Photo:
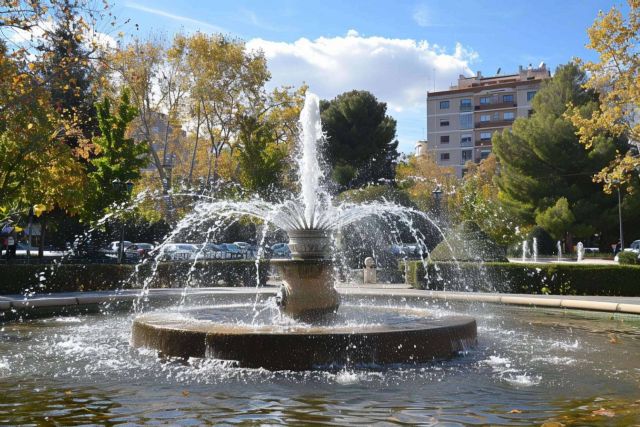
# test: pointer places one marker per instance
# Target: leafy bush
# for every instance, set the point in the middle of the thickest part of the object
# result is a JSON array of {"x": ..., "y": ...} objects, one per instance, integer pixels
[
  {"x": 24, "y": 278},
  {"x": 467, "y": 242},
  {"x": 628, "y": 257},
  {"x": 558, "y": 279}
]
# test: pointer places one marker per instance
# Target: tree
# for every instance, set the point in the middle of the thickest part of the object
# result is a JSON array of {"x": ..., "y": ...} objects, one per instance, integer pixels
[
  {"x": 419, "y": 176},
  {"x": 477, "y": 200},
  {"x": 226, "y": 84},
  {"x": 118, "y": 157},
  {"x": 557, "y": 219},
  {"x": 261, "y": 158},
  {"x": 153, "y": 77},
  {"x": 542, "y": 160},
  {"x": 35, "y": 165},
  {"x": 71, "y": 79},
  {"x": 361, "y": 145},
  {"x": 616, "y": 76}
]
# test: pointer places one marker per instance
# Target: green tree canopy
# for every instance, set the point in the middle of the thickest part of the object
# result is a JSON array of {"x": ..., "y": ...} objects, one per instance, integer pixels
[
  {"x": 361, "y": 145},
  {"x": 261, "y": 159},
  {"x": 542, "y": 161},
  {"x": 117, "y": 157}
]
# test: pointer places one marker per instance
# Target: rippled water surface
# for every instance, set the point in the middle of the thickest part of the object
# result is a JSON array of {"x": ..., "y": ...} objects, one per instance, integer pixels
[{"x": 530, "y": 367}]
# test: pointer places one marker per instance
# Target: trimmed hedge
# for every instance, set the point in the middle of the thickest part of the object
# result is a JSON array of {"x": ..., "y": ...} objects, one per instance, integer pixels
[
  {"x": 628, "y": 257},
  {"x": 557, "y": 279},
  {"x": 23, "y": 278}
]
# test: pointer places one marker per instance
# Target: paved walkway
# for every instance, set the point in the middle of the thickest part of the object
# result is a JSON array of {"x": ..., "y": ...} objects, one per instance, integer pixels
[
  {"x": 587, "y": 260},
  {"x": 60, "y": 302}
]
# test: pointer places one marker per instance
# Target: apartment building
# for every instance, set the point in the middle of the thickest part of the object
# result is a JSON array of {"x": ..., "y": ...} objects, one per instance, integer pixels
[{"x": 462, "y": 120}]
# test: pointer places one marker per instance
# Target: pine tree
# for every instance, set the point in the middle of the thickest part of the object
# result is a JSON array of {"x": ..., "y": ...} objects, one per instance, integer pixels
[{"x": 542, "y": 161}]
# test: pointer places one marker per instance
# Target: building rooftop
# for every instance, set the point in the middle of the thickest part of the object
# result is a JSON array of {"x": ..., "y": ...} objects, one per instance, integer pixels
[{"x": 479, "y": 81}]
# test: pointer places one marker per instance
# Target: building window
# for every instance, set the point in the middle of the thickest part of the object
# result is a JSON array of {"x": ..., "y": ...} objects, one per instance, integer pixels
[
  {"x": 466, "y": 104},
  {"x": 444, "y": 139},
  {"x": 507, "y": 99},
  {"x": 444, "y": 156},
  {"x": 484, "y": 154},
  {"x": 509, "y": 115},
  {"x": 444, "y": 122},
  {"x": 467, "y": 155},
  {"x": 530, "y": 95},
  {"x": 444, "y": 105},
  {"x": 466, "y": 121},
  {"x": 485, "y": 136},
  {"x": 485, "y": 117},
  {"x": 465, "y": 139},
  {"x": 496, "y": 116},
  {"x": 485, "y": 100}
]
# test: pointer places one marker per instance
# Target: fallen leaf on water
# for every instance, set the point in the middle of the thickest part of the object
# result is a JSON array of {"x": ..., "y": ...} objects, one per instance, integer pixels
[
  {"x": 185, "y": 393},
  {"x": 515, "y": 411},
  {"x": 552, "y": 424},
  {"x": 68, "y": 392},
  {"x": 613, "y": 339},
  {"x": 603, "y": 412}
]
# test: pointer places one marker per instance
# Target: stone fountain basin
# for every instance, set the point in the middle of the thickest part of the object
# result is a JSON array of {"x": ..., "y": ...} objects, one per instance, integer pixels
[{"x": 305, "y": 347}]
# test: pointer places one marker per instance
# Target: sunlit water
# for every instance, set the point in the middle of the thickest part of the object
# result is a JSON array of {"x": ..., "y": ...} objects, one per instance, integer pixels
[{"x": 529, "y": 367}]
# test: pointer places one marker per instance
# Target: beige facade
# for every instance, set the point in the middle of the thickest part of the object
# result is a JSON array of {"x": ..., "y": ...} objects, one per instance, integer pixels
[{"x": 462, "y": 120}]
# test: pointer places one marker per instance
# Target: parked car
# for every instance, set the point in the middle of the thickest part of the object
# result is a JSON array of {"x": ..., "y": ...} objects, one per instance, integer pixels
[
  {"x": 233, "y": 250},
  {"x": 140, "y": 249},
  {"x": 280, "y": 250},
  {"x": 634, "y": 247},
  {"x": 178, "y": 251},
  {"x": 244, "y": 246},
  {"x": 115, "y": 246},
  {"x": 411, "y": 250},
  {"x": 212, "y": 251}
]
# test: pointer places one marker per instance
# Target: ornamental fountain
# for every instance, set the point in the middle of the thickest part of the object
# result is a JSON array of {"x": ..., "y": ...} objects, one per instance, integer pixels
[{"x": 309, "y": 329}]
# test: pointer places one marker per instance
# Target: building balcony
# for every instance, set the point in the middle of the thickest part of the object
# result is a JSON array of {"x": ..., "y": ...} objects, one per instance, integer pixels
[
  {"x": 493, "y": 124},
  {"x": 495, "y": 106},
  {"x": 466, "y": 108}
]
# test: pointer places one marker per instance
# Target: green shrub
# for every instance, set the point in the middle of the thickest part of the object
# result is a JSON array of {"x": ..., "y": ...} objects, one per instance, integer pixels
[
  {"x": 24, "y": 278},
  {"x": 628, "y": 257},
  {"x": 557, "y": 279},
  {"x": 467, "y": 242}
]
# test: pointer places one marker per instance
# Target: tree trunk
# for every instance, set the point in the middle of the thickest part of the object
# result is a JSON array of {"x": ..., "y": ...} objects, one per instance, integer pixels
[
  {"x": 195, "y": 149},
  {"x": 569, "y": 244},
  {"x": 43, "y": 228}
]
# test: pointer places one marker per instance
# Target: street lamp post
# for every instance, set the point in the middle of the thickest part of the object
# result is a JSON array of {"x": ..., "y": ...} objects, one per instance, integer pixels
[
  {"x": 620, "y": 214},
  {"x": 437, "y": 195},
  {"x": 119, "y": 186}
]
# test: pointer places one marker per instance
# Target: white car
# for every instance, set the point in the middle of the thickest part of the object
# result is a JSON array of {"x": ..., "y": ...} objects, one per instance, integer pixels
[
  {"x": 114, "y": 246},
  {"x": 179, "y": 251},
  {"x": 634, "y": 247}
]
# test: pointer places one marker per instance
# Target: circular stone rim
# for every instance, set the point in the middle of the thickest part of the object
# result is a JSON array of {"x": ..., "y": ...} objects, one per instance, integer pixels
[{"x": 306, "y": 349}]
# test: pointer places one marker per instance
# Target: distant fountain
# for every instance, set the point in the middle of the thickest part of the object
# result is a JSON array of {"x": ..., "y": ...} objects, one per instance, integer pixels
[
  {"x": 559, "y": 247},
  {"x": 535, "y": 249},
  {"x": 580, "y": 251},
  {"x": 525, "y": 250}
]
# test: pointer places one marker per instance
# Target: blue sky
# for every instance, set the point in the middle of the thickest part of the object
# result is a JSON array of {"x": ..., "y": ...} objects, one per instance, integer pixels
[{"x": 392, "y": 48}]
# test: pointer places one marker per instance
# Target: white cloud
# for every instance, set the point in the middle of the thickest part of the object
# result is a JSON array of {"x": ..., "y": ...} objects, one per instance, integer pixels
[
  {"x": 397, "y": 71},
  {"x": 421, "y": 16}
]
